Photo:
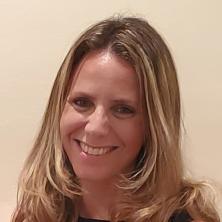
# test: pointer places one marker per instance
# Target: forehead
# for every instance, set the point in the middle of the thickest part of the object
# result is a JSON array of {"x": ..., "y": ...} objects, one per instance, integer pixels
[{"x": 102, "y": 67}]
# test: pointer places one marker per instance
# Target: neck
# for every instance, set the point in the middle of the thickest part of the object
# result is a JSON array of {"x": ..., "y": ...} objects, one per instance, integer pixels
[{"x": 98, "y": 199}]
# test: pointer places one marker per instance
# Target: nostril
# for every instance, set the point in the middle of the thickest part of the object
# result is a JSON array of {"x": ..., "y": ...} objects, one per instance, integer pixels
[{"x": 77, "y": 141}]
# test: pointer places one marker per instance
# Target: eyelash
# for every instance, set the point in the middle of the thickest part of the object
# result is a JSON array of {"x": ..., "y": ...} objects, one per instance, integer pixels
[
  {"x": 82, "y": 104},
  {"x": 123, "y": 109}
]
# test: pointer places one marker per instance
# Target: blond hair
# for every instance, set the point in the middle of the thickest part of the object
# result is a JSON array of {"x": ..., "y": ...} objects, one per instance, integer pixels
[{"x": 157, "y": 188}]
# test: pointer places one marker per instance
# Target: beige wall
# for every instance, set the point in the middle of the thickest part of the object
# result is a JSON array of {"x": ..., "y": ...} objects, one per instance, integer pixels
[{"x": 35, "y": 36}]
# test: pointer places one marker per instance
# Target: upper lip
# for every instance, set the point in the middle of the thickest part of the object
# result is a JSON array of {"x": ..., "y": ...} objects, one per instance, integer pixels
[{"x": 79, "y": 141}]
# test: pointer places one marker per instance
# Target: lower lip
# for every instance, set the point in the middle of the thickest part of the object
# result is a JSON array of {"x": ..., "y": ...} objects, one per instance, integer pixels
[{"x": 87, "y": 155}]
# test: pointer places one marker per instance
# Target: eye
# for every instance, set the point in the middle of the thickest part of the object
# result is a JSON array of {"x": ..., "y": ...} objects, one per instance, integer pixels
[
  {"x": 81, "y": 104},
  {"x": 123, "y": 111}
]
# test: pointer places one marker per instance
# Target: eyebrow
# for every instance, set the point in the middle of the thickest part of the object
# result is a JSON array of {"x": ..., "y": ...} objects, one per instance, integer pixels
[{"x": 120, "y": 100}]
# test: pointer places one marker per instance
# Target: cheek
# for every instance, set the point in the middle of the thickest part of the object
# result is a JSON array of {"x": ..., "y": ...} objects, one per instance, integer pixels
[
  {"x": 132, "y": 139},
  {"x": 70, "y": 123},
  {"x": 131, "y": 135}
]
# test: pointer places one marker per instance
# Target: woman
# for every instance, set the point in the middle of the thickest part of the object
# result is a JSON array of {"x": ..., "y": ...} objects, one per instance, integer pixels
[{"x": 109, "y": 145}]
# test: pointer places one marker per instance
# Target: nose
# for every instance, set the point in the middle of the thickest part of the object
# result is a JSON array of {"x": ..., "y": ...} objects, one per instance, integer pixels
[{"x": 98, "y": 123}]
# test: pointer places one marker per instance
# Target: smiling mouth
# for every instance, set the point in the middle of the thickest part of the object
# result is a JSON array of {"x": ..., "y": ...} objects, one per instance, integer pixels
[{"x": 96, "y": 151}]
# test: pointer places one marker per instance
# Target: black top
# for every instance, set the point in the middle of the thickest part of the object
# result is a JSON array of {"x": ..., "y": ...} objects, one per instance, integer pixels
[
  {"x": 177, "y": 217},
  {"x": 181, "y": 217}
]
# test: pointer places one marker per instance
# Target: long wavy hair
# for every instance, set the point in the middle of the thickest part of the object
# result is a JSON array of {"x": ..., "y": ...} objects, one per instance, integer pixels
[{"x": 157, "y": 188}]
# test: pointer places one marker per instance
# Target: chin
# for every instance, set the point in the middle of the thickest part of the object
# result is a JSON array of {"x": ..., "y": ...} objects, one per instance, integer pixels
[{"x": 95, "y": 175}]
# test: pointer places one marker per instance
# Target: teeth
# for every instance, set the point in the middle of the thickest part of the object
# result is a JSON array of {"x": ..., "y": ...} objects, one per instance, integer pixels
[{"x": 95, "y": 151}]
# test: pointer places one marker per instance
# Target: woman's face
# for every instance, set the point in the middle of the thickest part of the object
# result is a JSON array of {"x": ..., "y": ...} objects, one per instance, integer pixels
[{"x": 102, "y": 127}]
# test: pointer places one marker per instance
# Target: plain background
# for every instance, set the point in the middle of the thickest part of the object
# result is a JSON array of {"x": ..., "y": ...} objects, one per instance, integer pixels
[{"x": 36, "y": 35}]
